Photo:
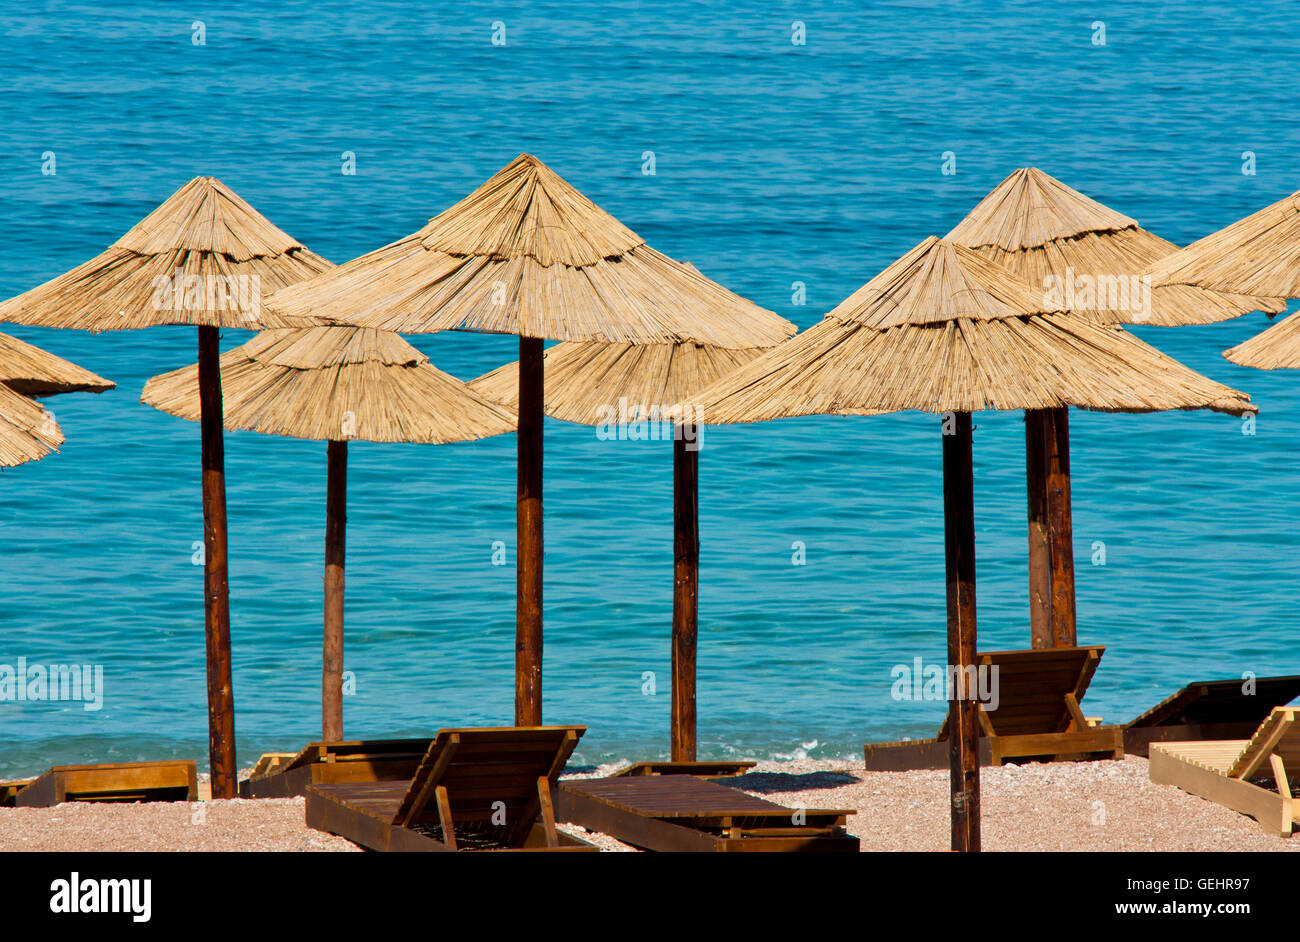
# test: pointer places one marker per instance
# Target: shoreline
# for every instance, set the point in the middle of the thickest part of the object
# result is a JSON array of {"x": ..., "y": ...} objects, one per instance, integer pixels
[{"x": 1102, "y": 806}]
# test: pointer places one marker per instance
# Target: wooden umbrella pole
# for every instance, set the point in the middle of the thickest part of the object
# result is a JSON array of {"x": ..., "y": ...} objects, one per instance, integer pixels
[
  {"x": 686, "y": 581},
  {"x": 1040, "y": 560},
  {"x": 1060, "y": 528},
  {"x": 528, "y": 605},
  {"x": 959, "y": 555},
  {"x": 336, "y": 520},
  {"x": 216, "y": 585}
]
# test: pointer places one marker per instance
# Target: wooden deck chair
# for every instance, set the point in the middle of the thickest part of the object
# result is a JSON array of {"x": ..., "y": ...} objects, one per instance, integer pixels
[
  {"x": 175, "y": 780},
  {"x": 475, "y": 789},
  {"x": 9, "y": 791},
  {"x": 1236, "y": 772},
  {"x": 704, "y": 769},
  {"x": 287, "y": 774},
  {"x": 1210, "y": 709},
  {"x": 686, "y": 813},
  {"x": 1038, "y": 715}
]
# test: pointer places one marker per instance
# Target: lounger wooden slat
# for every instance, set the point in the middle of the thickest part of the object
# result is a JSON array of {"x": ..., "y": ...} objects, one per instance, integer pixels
[
  {"x": 173, "y": 780},
  {"x": 472, "y": 789},
  {"x": 1210, "y": 709},
  {"x": 1038, "y": 715},
  {"x": 287, "y": 775},
  {"x": 1255, "y": 776},
  {"x": 687, "y": 813},
  {"x": 703, "y": 769}
]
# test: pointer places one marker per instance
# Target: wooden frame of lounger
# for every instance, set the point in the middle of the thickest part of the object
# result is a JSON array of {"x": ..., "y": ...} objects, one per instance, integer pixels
[
  {"x": 466, "y": 779},
  {"x": 686, "y": 813},
  {"x": 703, "y": 768},
  {"x": 287, "y": 774},
  {"x": 1038, "y": 716},
  {"x": 1210, "y": 709},
  {"x": 172, "y": 780},
  {"x": 1221, "y": 770}
]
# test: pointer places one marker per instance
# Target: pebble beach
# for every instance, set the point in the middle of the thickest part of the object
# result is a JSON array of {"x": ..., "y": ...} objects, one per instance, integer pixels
[{"x": 1061, "y": 807}]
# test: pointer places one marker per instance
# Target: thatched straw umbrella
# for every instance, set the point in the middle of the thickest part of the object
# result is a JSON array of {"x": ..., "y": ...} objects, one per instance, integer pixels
[
  {"x": 335, "y": 384},
  {"x": 1258, "y": 253},
  {"x": 27, "y": 431},
  {"x": 944, "y": 330},
  {"x": 203, "y": 258},
  {"x": 590, "y": 383},
  {"x": 1057, "y": 238},
  {"x": 527, "y": 254}
]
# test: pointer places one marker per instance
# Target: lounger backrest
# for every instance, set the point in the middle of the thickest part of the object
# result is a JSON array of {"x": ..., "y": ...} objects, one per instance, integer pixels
[
  {"x": 1032, "y": 685},
  {"x": 489, "y": 773},
  {"x": 1222, "y": 701},
  {"x": 355, "y": 750},
  {"x": 1278, "y": 735}
]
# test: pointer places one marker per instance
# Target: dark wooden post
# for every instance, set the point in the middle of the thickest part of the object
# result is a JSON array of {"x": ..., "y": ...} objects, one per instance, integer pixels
[
  {"x": 686, "y": 581},
  {"x": 528, "y": 518},
  {"x": 1060, "y": 528},
  {"x": 1051, "y": 531},
  {"x": 336, "y": 521},
  {"x": 216, "y": 583},
  {"x": 959, "y": 557},
  {"x": 1040, "y": 560}
]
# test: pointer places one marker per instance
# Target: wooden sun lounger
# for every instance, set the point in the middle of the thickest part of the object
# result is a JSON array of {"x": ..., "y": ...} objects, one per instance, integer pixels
[
  {"x": 1038, "y": 715},
  {"x": 1236, "y": 772},
  {"x": 720, "y": 769},
  {"x": 1209, "y": 709},
  {"x": 475, "y": 789},
  {"x": 174, "y": 780},
  {"x": 287, "y": 774},
  {"x": 9, "y": 791},
  {"x": 685, "y": 813}
]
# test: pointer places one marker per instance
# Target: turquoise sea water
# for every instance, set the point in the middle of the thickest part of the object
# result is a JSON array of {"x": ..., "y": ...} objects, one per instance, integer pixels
[{"x": 775, "y": 164}]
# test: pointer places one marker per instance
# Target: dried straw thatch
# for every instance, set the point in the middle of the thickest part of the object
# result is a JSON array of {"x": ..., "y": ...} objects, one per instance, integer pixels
[
  {"x": 1277, "y": 348},
  {"x": 202, "y": 231},
  {"x": 336, "y": 384},
  {"x": 1256, "y": 255},
  {"x": 584, "y": 380},
  {"x": 943, "y": 329},
  {"x": 27, "y": 431},
  {"x": 29, "y": 370},
  {"x": 1042, "y": 230},
  {"x": 527, "y": 254}
]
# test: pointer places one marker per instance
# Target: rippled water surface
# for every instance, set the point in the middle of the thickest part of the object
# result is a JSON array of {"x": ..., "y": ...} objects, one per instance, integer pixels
[{"x": 775, "y": 164}]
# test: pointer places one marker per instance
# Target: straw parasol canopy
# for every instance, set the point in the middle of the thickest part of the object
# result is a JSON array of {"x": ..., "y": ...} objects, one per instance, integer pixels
[
  {"x": 1257, "y": 255},
  {"x": 1277, "y": 348},
  {"x": 1260, "y": 252},
  {"x": 203, "y": 258},
  {"x": 28, "y": 431},
  {"x": 1089, "y": 259},
  {"x": 335, "y": 384},
  {"x": 169, "y": 269},
  {"x": 584, "y": 380},
  {"x": 942, "y": 329},
  {"x": 605, "y": 384},
  {"x": 1048, "y": 233},
  {"x": 945, "y": 330},
  {"x": 528, "y": 254}
]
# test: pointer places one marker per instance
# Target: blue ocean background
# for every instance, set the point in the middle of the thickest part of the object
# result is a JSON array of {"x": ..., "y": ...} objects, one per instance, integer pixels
[{"x": 775, "y": 163}]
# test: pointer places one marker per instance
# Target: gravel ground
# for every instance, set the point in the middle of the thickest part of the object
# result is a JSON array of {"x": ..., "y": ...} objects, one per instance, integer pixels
[
  {"x": 267, "y": 824},
  {"x": 1064, "y": 806}
]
